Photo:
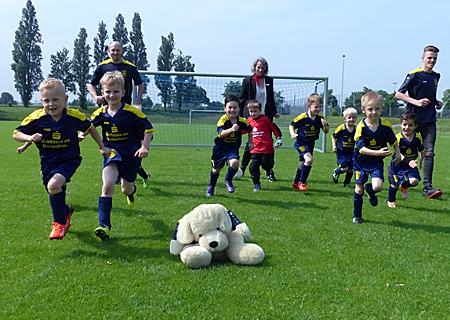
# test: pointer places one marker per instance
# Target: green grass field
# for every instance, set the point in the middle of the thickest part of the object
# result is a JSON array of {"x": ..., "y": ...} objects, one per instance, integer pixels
[{"x": 318, "y": 264}]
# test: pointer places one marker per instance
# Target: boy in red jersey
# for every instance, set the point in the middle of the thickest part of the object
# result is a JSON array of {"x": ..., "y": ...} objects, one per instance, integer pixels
[{"x": 263, "y": 152}]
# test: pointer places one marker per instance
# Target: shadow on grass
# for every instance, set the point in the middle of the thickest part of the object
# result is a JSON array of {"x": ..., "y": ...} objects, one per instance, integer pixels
[
  {"x": 416, "y": 226},
  {"x": 117, "y": 249}
]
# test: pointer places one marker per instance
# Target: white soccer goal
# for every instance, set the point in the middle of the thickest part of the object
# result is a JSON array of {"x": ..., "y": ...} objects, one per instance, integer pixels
[{"x": 186, "y": 106}]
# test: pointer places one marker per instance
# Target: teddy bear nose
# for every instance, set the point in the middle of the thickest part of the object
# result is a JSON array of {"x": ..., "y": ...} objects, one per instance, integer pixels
[{"x": 213, "y": 244}]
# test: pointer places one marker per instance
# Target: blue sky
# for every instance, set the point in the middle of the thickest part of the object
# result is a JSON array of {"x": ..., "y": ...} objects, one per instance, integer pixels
[{"x": 382, "y": 40}]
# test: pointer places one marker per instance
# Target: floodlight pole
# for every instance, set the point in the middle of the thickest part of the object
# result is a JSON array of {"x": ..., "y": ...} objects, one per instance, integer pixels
[{"x": 342, "y": 83}]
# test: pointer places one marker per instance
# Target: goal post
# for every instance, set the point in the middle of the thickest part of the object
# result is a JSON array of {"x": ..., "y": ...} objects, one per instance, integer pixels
[{"x": 193, "y": 102}]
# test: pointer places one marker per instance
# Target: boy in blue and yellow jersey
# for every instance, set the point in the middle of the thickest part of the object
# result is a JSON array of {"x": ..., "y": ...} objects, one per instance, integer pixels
[
  {"x": 405, "y": 174},
  {"x": 371, "y": 139},
  {"x": 230, "y": 128},
  {"x": 343, "y": 140},
  {"x": 123, "y": 126},
  {"x": 421, "y": 86},
  {"x": 130, "y": 74},
  {"x": 308, "y": 125},
  {"x": 54, "y": 130}
]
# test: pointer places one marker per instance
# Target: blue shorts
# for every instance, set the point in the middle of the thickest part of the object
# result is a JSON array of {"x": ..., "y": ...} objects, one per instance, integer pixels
[
  {"x": 128, "y": 165},
  {"x": 220, "y": 157},
  {"x": 304, "y": 148},
  {"x": 402, "y": 172},
  {"x": 372, "y": 169},
  {"x": 66, "y": 169},
  {"x": 345, "y": 159}
]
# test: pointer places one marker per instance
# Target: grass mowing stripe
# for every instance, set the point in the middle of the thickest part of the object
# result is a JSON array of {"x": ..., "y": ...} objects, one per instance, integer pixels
[{"x": 318, "y": 265}]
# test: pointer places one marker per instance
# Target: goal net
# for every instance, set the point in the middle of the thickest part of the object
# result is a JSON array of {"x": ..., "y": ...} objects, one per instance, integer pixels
[{"x": 185, "y": 107}]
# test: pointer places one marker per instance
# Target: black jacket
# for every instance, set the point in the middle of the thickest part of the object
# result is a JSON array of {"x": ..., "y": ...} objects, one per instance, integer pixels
[{"x": 249, "y": 93}]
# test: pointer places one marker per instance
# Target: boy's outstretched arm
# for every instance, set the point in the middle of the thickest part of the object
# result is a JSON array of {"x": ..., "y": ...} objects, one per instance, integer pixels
[
  {"x": 23, "y": 148},
  {"x": 325, "y": 125},
  {"x": 292, "y": 132},
  {"x": 22, "y": 137},
  {"x": 143, "y": 150},
  {"x": 250, "y": 141},
  {"x": 94, "y": 134}
]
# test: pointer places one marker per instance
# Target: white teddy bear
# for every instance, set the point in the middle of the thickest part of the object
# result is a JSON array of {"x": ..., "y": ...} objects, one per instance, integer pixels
[{"x": 211, "y": 232}]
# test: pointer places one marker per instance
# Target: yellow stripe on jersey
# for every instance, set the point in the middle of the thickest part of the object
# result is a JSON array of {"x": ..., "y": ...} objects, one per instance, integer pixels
[
  {"x": 35, "y": 115},
  {"x": 386, "y": 123},
  {"x": 300, "y": 117},
  {"x": 340, "y": 128},
  {"x": 419, "y": 69},
  {"x": 123, "y": 61},
  {"x": 76, "y": 114},
  {"x": 305, "y": 115},
  {"x": 98, "y": 111},
  {"x": 225, "y": 118},
  {"x": 134, "y": 110}
]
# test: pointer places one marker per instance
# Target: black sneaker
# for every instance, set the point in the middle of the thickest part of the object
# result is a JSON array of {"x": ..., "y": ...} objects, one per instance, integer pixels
[
  {"x": 373, "y": 200},
  {"x": 335, "y": 178},
  {"x": 271, "y": 176},
  {"x": 430, "y": 193},
  {"x": 357, "y": 220}
]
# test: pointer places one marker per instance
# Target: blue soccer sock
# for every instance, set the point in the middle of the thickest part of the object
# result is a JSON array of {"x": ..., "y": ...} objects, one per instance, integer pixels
[
  {"x": 348, "y": 177},
  {"x": 142, "y": 173},
  {"x": 305, "y": 173},
  {"x": 230, "y": 173},
  {"x": 104, "y": 211},
  {"x": 338, "y": 170},
  {"x": 369, "y": 190},
  {"x": 406, "y": 184},
  {"x": 392, "y": 194},
  {"x": 213, "y": 178},
  {"x": 357, "y": 205},
  {"x": 297, "y": 176},
  {"x": 59, "y": 207}
]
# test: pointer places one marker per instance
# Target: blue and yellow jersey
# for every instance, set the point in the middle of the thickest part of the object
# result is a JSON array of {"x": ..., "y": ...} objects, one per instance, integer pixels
[
  {"x": 234, "y": 139},
  {"x": 419, "y": 84},
  {"x": 123, "y": 131},
  {"x": 307, "y": 129},
  {"x": 345, "y": 140},
  {"x": 410, "y": 149},
  {"x": 374, "y": 140},
  {"x": 59, "y": 138},
  {"x": 128, "y": 70}
]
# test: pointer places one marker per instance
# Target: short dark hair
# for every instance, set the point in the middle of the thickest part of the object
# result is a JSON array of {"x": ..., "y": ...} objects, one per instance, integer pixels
[
  {"x": 430, "y": 48},
  {"x": 254, "y": 104},
  {"x": 231, "y": 97},
  {"x": 408, "y": 116}
]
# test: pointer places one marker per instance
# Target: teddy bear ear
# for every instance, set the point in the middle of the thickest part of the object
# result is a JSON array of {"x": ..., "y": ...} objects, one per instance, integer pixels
[
  {"x": 225, "y": 223},
  {"x": 185, "y": 234}
]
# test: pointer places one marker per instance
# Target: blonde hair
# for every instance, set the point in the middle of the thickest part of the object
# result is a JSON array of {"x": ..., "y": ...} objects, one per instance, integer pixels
[
  {"x": 254, "y": 104},
  {"x": 373, "y": 96},
  {"x": 51, "y": 83},
  {"x": 349, "y": 111},
  {"x": 112, "y": 78},
  {"x": 315, "y": 97}
]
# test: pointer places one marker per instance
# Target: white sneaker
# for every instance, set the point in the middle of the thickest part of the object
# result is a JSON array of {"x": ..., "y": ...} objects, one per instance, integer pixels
[
  {"x": 392, "y": 204},
  {"x": 278, "y": 143}
]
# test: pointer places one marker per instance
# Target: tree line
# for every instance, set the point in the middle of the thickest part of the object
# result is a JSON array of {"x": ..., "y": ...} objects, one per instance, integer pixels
[
  {"x": 181, "y": 91},
  {"x": 75, "y": 72}
]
